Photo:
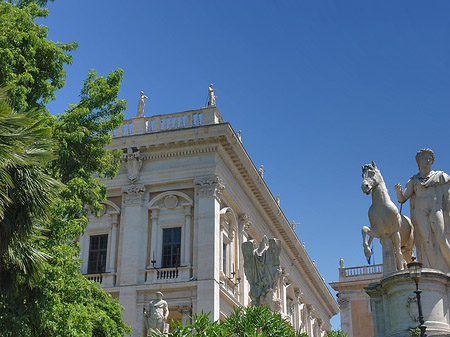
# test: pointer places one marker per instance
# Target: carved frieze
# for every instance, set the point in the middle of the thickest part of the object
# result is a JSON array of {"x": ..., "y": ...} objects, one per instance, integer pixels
[
  {"x": 132, "y": 162},
  {"x": 134, "y": 195},
  {"x": 208, "y": 187}
]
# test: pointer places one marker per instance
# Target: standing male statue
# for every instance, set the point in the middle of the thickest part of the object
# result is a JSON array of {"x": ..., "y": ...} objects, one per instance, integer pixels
[
  {"x": 429, "y": 194},
  {"x": 156, "y": 315},
  {"x": 141, "y": 105},
  {"x": 211, "y": 96}
]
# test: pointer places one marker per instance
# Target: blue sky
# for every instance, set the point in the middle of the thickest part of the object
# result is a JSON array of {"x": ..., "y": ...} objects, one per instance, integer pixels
[{"x": 318, "y": 88}]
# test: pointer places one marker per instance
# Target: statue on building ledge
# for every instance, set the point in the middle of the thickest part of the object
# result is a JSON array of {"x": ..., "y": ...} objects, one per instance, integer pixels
[
  {"x": 141, "y": 105},
  {"x": 211, "y": 96},
  {"x": 156, "y": 316},
  {"x": 262, "y": 269}
]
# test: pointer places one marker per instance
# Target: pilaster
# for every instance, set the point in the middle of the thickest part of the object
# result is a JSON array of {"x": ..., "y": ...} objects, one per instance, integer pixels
[
  {"x": 208, "y": 191},
  {"x": 134, "y": 234}
]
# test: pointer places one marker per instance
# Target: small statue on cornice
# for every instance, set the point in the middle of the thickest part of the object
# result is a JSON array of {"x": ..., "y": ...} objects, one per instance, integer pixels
[
  {"x": 261, "y": 171},
  {"x": 132, "y": 161},
  {"x": 141, "y": 105},
  {"x": 211, "y": 96}
]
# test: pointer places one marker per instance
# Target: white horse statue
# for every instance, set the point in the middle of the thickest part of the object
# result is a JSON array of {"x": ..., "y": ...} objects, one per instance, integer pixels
[{"x": 386, "y": 223}]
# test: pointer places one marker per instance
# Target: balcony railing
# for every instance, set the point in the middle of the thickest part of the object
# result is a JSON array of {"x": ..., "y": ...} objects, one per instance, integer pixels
[
  {"x": 166, "y": 275},
  {"x": 362, "y": 272},
  {"x": 105, "y": 279},
  {"x": 173, "y": 121}
]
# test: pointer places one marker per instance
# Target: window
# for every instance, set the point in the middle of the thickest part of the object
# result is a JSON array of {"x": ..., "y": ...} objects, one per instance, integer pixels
[
  {"x": 97, "y": 254},
  {"x": 171, "y": 247},
  {"x": 224, "y": 258}
]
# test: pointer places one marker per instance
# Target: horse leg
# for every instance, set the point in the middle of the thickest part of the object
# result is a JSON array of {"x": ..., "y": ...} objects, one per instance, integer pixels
[
  {"x": 396, "y": 241},
  {"x": 407, "y": 238},
  {"x": 367, "y": 231}
]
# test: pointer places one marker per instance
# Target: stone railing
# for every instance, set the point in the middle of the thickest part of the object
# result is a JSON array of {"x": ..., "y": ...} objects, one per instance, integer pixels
[
  {"x": 105, "y": 279},
  {"x": 362, "y": 272},
  {"x": 173, "y": 121},
  {"x": 167, "y": 275},
  {"x": 94, "y": 277}
]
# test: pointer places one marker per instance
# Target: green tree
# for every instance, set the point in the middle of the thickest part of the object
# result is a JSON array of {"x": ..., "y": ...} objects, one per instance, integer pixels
[
  {"x": 336, "y": 333},
  {"x": 30, "y": 63},
  {"x": 26, "y": 193},
  {"x": 63, "y": 302},
  {"x": 243, "y": 322}
]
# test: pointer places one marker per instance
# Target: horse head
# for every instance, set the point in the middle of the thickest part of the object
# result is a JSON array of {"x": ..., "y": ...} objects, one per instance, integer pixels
[{"x": 371, "y": 177}]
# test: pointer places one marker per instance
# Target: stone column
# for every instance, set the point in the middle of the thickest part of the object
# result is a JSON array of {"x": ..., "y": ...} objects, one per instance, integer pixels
[
  {"x": 346, "y": 315},
  {"x": 309, "y": 320},
  {"x": 244, "y": 228},
  {"x": 153, "y": 249},
  {"x": 186, "y": 313},
  {"x": 133, "y": 257},
  {"x": 208, "y": 192},
  {"x": 319, "y": 327},
  {"x": 113, "y": 242},
  {"x": 84, "y": 252},
  {"x": 282, "y": 286},
  {"x": 298, "y": 308},
  {"x": 187, "y": 237}
]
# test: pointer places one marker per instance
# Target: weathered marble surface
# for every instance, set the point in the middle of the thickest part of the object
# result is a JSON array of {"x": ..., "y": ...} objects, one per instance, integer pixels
[
  {"x": 394, "y": 305},
  {"x": 262, "y": 269},
  {"x": 429, "y": 195},
  {"x": 141, "y": 104},
  {"x": 394, "y": 230},
  {"x": 156, "y": 315},
  {"x": 211, "y": 96}
]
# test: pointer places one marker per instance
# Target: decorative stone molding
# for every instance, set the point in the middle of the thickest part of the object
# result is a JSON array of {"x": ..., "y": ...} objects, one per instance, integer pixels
[
  {"x": 175, "y": 206},
  {"x": 245, "y": 222},
  {"x": 185, "y": 309},
  {"x": 343, "y": 303},
  {"x": 208, "y": 187},
  {"x": 171, "y": 201},
  {"x": 134, "y": 195},
  {"x": 298, "y": 295},
  {"x": 132, "y": 162},
  {"x": 412, "y": 300}
]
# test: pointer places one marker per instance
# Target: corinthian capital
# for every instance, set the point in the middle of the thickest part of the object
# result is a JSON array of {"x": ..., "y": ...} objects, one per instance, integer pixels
[
  {"x": 245, "y": 222},
  {"x": 208, "y": 187},
  {"x": 134, "y": 195}
]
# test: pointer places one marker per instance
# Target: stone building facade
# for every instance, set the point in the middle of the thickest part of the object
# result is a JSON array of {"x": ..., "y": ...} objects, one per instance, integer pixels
[
  {"x": 185, "y": 199},
  {"x": 355, "y": 305}
]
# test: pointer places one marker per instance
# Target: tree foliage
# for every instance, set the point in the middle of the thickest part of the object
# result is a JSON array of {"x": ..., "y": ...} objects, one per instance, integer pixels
[
  {"x": 62, "y": 302},
  {"x": 336, "y": 333},
  {"x": 243, "y": 322},
  {"x": 27, "y": 193},
  {"x": 62, "y": 155},
  {"x": 30, "y": 63}
]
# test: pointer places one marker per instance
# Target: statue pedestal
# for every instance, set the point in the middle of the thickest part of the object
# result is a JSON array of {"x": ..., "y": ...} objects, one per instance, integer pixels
[{"x": 394, "y": 305}]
